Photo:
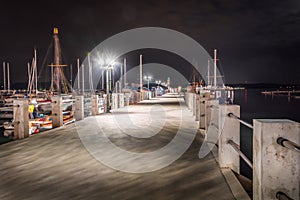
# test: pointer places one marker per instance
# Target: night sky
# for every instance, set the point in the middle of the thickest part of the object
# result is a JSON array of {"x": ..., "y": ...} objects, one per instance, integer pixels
[{"x": 256, "y": 40}]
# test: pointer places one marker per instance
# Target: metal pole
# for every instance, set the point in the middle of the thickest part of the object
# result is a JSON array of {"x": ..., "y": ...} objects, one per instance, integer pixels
[
  {"x": 241, "y": 121},
  {"x": 237, "y": 149},
  {"x": 282, "y": 196},
  {"x": 288, "y": 144}
]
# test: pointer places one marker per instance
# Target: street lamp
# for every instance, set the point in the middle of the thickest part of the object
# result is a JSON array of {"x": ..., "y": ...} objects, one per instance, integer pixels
[
  {"x": 107, "y": 63},
  {"x": 148, "y": 78}
]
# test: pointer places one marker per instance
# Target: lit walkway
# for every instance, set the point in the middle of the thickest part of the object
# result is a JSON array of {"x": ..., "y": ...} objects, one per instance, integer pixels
[{"x": 56, "y": 165}]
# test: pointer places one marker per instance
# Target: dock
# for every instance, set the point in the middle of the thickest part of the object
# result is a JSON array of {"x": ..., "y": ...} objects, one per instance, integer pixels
[{"x": 56, "y": 164}]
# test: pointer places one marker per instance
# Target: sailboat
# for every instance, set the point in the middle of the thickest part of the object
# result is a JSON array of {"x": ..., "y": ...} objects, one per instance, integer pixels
[
  {"x": 41, "y": 101},
  {"x": 224, "y": 94}
]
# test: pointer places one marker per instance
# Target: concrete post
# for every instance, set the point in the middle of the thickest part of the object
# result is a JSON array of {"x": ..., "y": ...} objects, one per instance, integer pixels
[
  {"x": 141, "y": 96},
  {"x": 79, "y": 108},
  {"x": 275, "y": 168},
  {"x": 202, "y": 113},
  {"x": 121, "y": 100},
  {"x": 188, "y": 100},
  {"x": 210, "y": 105},
  {"x": 21, "y": 119},
  {"x": 229, "y": 130},
  {"x": 57, "y": 116},
  {"x": 95, "y": 104},
  {"x": 127, "y": 99},
  {"x": 106, "y": 103},
  {"x": 191, "y": 101},
  {"x": 115, "y": 100},
  {"x": 197, "y": 114},
  {"x": 194, "y": 103}
]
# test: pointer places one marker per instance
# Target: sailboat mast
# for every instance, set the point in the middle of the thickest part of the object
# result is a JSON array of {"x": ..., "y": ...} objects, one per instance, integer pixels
[
  {"x": 35, "y": 71},
  {"x": 8, "y": 78},
  {"x": 90, "y": 74},
  {"x": 56, "y": 60},
  {"x": 78, "y": 75},
  {"x": 4, "y": 76},
  {"x": 71, "y": 76},
  {"x": 208, "y": 73},
  {"x": 121, "y": 77},
  {"x": 215, "y": 68},
  {"x": 141, "y": 73},
  {"x": 82, "y": 79},
  {"x": 52, "y": 86},
  {"x": 29, "y": 75},
  {"x": 125, "y": 72}
]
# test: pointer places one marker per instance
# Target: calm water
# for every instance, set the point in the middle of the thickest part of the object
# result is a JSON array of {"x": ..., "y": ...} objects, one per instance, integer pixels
[{"x": 255, "y": 105}]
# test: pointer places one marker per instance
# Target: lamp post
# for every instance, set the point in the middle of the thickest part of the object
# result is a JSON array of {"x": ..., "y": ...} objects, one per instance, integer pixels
[
  {"x": 107, "y": 63},
  {"x": 148, "y": 78}
]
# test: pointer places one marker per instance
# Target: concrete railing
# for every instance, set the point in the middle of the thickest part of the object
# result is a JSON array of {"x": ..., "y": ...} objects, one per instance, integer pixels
[
  {"x": 276, "y": 159},
  {"x": 81, "y": 105}
]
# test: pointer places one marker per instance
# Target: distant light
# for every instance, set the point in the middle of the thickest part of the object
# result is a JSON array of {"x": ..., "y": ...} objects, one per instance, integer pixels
[{"x": 55, "y": 31}]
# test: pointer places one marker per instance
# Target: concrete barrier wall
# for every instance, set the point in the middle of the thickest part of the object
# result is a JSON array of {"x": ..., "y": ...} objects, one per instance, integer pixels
[{"x": 275, "y": 168}]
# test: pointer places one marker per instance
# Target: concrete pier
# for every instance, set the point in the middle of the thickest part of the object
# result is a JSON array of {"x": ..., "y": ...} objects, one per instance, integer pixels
[{"x": 55, "y": 165}]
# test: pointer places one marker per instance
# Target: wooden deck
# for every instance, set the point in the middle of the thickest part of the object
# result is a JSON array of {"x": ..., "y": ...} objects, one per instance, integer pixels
[{"x": 56, "y": 165}]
